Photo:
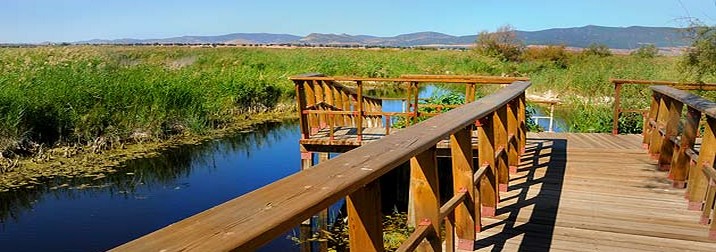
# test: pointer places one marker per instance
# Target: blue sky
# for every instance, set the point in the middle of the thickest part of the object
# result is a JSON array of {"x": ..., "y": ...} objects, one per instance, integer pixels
[{"x": 73, "y": 20}]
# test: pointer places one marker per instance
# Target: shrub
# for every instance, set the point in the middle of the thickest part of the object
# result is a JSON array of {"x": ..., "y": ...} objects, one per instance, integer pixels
[
  {"x": 599, "y": 50},
  {"x": 502, "y": 43},
  {"x": 555, "y": 54},
  {"x": 646, "y": 51}
]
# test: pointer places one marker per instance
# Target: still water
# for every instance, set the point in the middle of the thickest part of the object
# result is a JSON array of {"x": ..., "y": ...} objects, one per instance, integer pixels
[{"x": 148, "y": 194}]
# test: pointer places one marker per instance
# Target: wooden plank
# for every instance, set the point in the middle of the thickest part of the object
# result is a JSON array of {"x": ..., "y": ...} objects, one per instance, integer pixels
[
  {"x": 424, "y": 190},
  {"x": 462, "y": 173},
  {"x": 365, "y": 225}
]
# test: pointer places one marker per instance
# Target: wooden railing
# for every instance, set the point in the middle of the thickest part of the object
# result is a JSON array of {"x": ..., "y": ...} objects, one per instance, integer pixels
[
  {"x": 324, "y": 103},
  {"x": 618, "y": 83},
  {"x": 674, "y": 148},
  {"x": 249, "y": 221}
]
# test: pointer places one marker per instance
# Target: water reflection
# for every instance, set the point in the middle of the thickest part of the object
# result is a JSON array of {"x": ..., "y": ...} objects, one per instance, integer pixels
[{"x": 86, "y": 214}]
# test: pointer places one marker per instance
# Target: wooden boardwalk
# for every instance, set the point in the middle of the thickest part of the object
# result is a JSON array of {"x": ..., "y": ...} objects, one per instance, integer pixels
[{"x": 591, "y": 192}]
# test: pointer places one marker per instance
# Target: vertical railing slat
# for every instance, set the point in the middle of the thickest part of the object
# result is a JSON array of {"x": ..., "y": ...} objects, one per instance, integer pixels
[
  {"x": 671, "y": 129},
  {"x": 365, "y": 224},
  {"x": 501, "y": 160},
  {"x": 697, "y": 181},
  {"x": 680, "y": 161},
  {"x": 462, "y": 172},
  {"x": 486, "y": 156},
  {"x": 425, "y": 192}
]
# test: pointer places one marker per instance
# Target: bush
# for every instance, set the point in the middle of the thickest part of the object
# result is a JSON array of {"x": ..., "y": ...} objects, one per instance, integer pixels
[
  {"x": 599, "y": 50},
  {"x": 555, "y": 54},
  {"x": 646, "y": 51},
  {"x": 502, "y": 43}
]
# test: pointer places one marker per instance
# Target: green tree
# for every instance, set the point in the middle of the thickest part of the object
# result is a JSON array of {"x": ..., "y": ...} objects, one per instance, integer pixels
[
  {"x": 700, "y": 59},
  {"x": 502, "y": 43}
]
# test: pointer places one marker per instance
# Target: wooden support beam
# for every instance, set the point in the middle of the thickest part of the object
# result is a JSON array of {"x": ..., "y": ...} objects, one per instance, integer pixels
[
  {"x": 486, "y": 156},
  {"x": 311, "y": 101},
  {"x": 462, "y": 173},
  {"x": 512, "y": 137},
  {"x": 653, "y": 110},
  {"x": 697, "y": 181},
  {"x": 415, "y": 102},
  {"x": 656, "y": 138},
  {"x": 365, "y": 224},
  {"x": 617, "y": 108},
  {"x": 359, "y": 108},
  {"x": 320, "y": 97},
  {"x": 522, "y": 118},
  {"x": 301, "y": 100},
  {"x": 681, "y": 160},
  {"x": 501, "y": 158},
  {"x": 424, "y": 190},
  {"x": 671, "y": 129}
]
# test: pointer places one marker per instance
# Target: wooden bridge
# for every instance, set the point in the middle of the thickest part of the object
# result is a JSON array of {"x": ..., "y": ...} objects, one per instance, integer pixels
[{"x": 511, "y": 189}]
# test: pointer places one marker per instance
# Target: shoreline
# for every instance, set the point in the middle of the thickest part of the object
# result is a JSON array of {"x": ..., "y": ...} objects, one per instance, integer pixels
[{"x": 54, "y": 163}]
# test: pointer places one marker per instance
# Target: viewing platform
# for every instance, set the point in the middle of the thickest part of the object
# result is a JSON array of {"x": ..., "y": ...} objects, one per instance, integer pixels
[{"x": 507, "y": 189}]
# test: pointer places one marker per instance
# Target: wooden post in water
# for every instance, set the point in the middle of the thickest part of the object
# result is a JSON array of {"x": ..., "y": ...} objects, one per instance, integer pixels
[
  {"x": 424, "y": 190},
  {"x": 462, "y": 173},
  {"x": 365, "y": 224},
  {"x": 680, "y": 160},
  {"x": 671, "y": 129},
  {"x": 486, "y": 156},
  {"x": 697, "y": 180}
]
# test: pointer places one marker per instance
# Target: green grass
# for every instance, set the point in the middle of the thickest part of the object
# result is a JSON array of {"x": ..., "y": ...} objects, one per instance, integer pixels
[{"x": 78, "y": 94}]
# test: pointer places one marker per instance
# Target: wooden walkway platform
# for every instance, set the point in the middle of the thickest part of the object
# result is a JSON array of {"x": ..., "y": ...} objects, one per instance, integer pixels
[{"x": 591, "y": 192}]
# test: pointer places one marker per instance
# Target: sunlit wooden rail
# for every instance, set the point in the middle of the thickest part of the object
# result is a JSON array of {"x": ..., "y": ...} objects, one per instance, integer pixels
[
  {"x": 675, "y": 149},
  {"x": 249, "y": 221},
  {"x": 619, "y": 83}
]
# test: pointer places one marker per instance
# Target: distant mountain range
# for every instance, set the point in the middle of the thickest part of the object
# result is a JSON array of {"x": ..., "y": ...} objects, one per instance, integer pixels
[{"x": 613, "y": 37}]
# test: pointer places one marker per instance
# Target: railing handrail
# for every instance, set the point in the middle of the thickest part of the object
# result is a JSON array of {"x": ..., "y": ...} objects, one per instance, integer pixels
[
  {"x": 673, "y": 145},
  {"x": 706, "y": 107},
  {"x": 251, "y": 220},
  {"x": 417, "y": 78}
]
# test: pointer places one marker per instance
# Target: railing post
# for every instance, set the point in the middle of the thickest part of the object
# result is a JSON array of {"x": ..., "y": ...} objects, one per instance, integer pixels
[
  {"x": 424, "y": 190},
  {"x": 365, "y": 224},
  {"x": 697, "y": 180},
  {"x": 648, "y": 128},
  {"x": 462, "y": 173},
  {"x": 680, "y": 161},
  {"x": 522, "y": 117},
  {"x": 311, "y": 101},
  {"x": 415, "y": 102},
  {"x": 501, "y": 148},
  {"x": 301, "y": 99},
  {"x": 469, "y": 92},
  {"x": 408, "y": 100},
  {"x": 671, "y": 129},
  {"x": 359, "y": 118},
  {"x": 486, "y": 156},
  {"x": 320, "y": 97},
  {"x": 512, "y": 136},
  {"x": 656, "y": 138},
  {"x": 617, "y": 107}
]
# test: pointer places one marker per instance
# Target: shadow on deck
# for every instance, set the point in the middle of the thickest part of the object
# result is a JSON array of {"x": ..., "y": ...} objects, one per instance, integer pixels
[{"x": 573, "y": 192}]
